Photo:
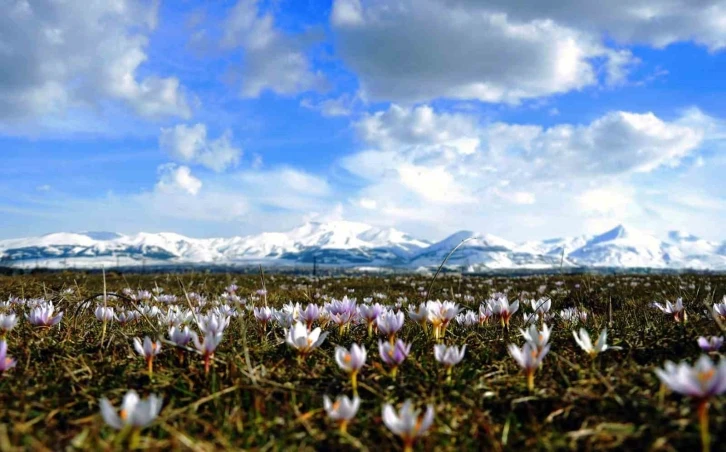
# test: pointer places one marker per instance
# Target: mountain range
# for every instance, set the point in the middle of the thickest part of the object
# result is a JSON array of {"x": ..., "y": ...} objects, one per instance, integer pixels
[{"x": 357, "y": 245}]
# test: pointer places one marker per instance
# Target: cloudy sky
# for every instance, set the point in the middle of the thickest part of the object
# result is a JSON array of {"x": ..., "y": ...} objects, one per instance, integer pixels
[{"x": 522, "y": 118}]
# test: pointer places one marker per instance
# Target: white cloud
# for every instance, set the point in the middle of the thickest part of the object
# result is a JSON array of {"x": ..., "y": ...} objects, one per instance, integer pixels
[
  {"x": 190, "y": 144},
  {"x": 610, "y": 201},
  {"x": 651, "y": 22},
  {"x": 426, "y": 49},
  {"x": 341, "y": 106},
  {"x": 429, "y": 170},
  {"x": 508, "y": 51},
  {"x": 272, "y": 61},
  {"x": 348, "y": 12},
  {"x": 61, "y": 56},
  {"x": 516, "y": 197},
  {"x": 211, "y": 205},
  {"x": 618, "y": 142},
  {"x": 435, "y": 184},
  {"x": 367, "y": 203},
  {"x": 421, "y": 128},
  {"x": 174, "y": 178},
  {"x": 286, "y": 188}
]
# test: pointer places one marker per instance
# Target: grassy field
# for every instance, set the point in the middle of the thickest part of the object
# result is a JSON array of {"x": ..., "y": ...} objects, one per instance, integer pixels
[{"x": 259, "y": 395}]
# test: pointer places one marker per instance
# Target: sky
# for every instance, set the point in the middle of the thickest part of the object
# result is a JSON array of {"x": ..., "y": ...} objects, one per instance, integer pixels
[{"x": 527, "y": 119}]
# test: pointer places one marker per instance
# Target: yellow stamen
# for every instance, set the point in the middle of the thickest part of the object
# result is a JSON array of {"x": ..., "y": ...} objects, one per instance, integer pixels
[{"x": 706, "y": 376}]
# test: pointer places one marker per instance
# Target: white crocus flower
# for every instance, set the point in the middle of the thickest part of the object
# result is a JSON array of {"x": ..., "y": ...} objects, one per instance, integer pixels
[
  {"x": 407, "y": 423},
  {"x": 583, "y": 340},
  {"x": 343, "y": 410},
  {"x": 303, "y": 341},
  {"x": 134, "y": 412}
]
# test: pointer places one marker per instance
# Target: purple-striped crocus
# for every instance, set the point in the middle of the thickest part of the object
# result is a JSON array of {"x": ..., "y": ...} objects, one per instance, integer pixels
[
  {"x": 42, "y": 315},
  {"x": 393, "y": 354},
  {"x": 389, "y": 323},
  {"x": 309, "y": 315},
  {"x": 702, "y": 382},
  {"x": 370, "y": 314},
  {"x": 711, "y": 344}
]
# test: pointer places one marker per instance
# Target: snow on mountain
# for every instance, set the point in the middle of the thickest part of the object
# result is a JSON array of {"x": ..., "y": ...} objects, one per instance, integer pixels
[
  {"x": 621, "y": 247},
  {"x": 553, "y": 247},
  {"x": 482, "y": 251},
  {"x": 694, "y": 252},
  {"x": 345, "y": 243},
  {"x": 339, "y": 242}
]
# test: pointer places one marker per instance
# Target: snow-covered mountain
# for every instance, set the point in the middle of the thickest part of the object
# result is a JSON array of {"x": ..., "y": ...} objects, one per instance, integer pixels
[
  {"x": 350, "y": 244},
  {"x": 482, "y": 251},
  {"x": 334, "y": 243}
]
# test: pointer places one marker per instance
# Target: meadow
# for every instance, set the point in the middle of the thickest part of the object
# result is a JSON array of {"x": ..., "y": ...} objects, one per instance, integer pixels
[{"x": 259, "y": 392}]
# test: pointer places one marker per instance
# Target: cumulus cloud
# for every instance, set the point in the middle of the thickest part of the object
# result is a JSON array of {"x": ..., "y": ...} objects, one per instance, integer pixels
[
  {"x": 426, "y": 49},
  {"x": 190, "y": 144},
  {"x": 618, "y": 142},
  {"x": 651, "y": 22},
  {"x": 58, "y": 56},
  {"x": 419, "y": 166},
  {"x": 508, "y": 51},
  {"x": 174, "y": 178},
  {"x": 272, "y": 60}
]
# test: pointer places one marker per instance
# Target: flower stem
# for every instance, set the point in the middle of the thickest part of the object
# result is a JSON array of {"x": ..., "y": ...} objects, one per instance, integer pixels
[
  {"x": 134, "y": 439},
  {"x": 530, "y": 380},
  {"x": 394, "y": 372},
  {"x": 703, "y": 421},
  {"x": 343, "y": 426},
  {"x": 150, "y": 363},
  {"x": 448, "y": 375},
  {"x": 354, "y": 383}
]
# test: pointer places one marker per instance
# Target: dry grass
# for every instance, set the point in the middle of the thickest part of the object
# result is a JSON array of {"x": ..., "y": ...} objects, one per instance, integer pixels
[{"x": 259, "y": 397}]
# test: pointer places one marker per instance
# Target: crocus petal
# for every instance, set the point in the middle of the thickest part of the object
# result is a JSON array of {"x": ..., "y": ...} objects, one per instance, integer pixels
[
  {"x": 427, "y": 421},
  {"x": 138, "y": 347},
  {"x": 109, "y": 414},
  {"x": 390, "y": 419},
  {"x": 321, "y": 339}
]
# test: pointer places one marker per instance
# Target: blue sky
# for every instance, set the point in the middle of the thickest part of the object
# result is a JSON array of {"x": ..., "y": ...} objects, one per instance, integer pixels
[{"x": 522, "y": 118}]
